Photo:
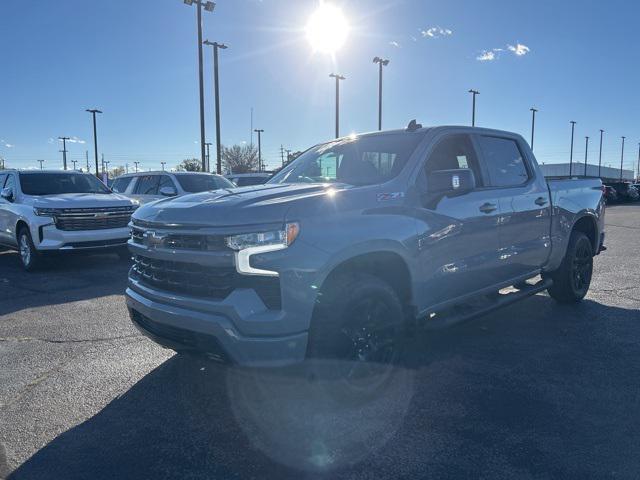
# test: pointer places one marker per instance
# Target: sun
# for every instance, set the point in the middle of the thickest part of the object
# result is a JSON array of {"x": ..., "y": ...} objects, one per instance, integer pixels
[{"x": 327, "y": 29}]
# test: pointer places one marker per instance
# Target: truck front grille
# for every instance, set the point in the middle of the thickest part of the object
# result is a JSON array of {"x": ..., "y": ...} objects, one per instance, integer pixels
[
  {"x": 191, "y": 279},
  {"x": 176, "y": 241},
  {"x": 74, "y": 219}
]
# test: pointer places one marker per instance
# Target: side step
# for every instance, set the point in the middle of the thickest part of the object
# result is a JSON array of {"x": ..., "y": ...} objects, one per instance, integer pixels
[{"x": 482, "y": 305}]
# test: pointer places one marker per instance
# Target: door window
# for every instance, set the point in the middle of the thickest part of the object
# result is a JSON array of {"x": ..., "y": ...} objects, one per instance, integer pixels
[
  {"x": 452, "y": 153},
  {"x": 504, "y": 161},
  {"x": 147, "y": 185},
  {"x": 2, "y": 178},
  {"x": 165, "y": 181},
  {"x": 120, "y": 184},
  {"x": 10, "y": 183}
]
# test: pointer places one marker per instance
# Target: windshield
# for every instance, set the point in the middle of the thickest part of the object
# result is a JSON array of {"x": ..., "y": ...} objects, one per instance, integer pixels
[
  {"x": 194, "y": 183},
  {"x": 60, "y": 183},
  {"x": 356, "y": 161}
]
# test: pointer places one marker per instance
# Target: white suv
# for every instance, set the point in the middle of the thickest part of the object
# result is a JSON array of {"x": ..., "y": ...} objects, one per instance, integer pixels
[
  {"x": 43, "y": 211},
  {"x": 148, "y": 186}
]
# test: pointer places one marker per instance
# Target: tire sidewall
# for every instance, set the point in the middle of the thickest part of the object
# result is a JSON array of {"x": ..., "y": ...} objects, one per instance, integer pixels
[{"x": 33, "y": 257}]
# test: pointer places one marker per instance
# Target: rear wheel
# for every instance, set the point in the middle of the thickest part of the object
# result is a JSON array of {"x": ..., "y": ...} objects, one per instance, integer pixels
[
  {"x": 572, "y": 280},
  {"x": 28, "y": 254}
]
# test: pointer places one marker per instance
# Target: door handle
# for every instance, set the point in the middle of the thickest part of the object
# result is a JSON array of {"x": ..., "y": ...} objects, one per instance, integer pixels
[
  {"x": 541, "y": 201},
  {"x": 488, "y": 207}
]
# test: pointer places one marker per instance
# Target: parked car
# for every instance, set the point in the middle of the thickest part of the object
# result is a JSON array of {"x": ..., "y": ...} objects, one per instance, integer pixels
[
  {"x": 610, "y": 194},
  {"x": 626, "y": 191},
  {"x": 246, "y": 179},
  {"x": 57, "y": 211},
  {"x": 148, "y": 186},
  {"x": 356, "y": 239}
]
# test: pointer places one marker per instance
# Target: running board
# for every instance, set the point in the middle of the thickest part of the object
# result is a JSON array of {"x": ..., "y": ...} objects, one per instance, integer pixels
[{"x": 481, "y": 306}]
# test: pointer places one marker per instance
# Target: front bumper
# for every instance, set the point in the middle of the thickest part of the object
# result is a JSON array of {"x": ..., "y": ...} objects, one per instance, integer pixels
[
  {"x": 47, "y": 237},
  {"x": 211, "y": 333}
]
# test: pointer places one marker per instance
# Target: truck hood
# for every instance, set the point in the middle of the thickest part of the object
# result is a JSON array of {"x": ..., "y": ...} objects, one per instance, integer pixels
[
  {"x": 79, "y": 200},
  {"x": 260, "y": 204}
]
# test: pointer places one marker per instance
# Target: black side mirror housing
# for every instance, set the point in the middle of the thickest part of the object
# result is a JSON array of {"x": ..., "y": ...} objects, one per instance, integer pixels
[
  {"x": 451, "y": 182},
  {"x": 7, "y": 194}
]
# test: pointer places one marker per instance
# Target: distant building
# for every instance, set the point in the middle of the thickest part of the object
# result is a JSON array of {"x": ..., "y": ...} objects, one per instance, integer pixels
[{"x": 606, "y": 173}]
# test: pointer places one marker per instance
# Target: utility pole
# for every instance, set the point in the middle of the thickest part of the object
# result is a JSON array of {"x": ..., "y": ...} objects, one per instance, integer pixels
[
  {"x": 163, "y": 164},
  {"x": 573, "y": 126},
  {"x": 74, "y": 163},
  {"x": 533, "y": 124},
  {"x": 586, "y": 150},
  {"x": 622, "y": 157},
  {"x": 208, "y": 6},
  {"x": 216, "y": 46},
  {"x": 288, "y": 155},
  {"x": 381, "y": 62},
  {"x": 473, "y": 108},
  {"x": 259, "y": 132},
  {"x": 41, "y": 161},
  {"x": 208, "y": 169},
  {"x": 93, "y": 111},
  {"x": 64, "y": 151},
  {"x": 136, "y": 164},
  {"x": 600, "y": 154},
  {"x": 282, "y": 154},
  {"x": 338, "y": 78}
]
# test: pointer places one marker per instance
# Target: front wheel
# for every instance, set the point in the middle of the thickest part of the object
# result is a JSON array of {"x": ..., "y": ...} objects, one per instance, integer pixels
[
  {"x": 572, "y": 280},
  {"x": 28, "y": 254}
]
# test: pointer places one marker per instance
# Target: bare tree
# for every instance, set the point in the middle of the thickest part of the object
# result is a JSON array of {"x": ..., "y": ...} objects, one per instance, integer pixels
[
  {"x": 189, "y": 165},
  {"x": 240, "y": 158}
]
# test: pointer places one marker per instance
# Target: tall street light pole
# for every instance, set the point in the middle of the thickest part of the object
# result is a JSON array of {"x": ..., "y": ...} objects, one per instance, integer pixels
[
  {"x": 64, "y": 151},
  {"x": 208, "y": 6},
  {"x": 622, "y": 157},
  {"x": 586, "y": 152},
  {"x": 93, "y": 112},
  {"x": 74, "y": 163},
  {"x": 637, "y": 173},
  {"x": 338, "y": 78},
  {"x": 600, "y": 154},
  {"x": 473, "y": 108},
  {"x": 533, "y": 124},
  {"x": 41, "y": 161},
  {"x": 216, "y": 46},
  {"x": 163, "y": 164},
  {"x": 573, "y": 127},
  {"x": 136, "y": 164},
  {"x": 259, "y": 132},
  {"x": 381, "y": 63},
  {"x": 208, "y": 144}
]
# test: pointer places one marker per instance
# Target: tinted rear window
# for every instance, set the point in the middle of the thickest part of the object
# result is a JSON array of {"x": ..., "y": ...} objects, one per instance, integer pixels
[
  {"x": 504, "y": 161},
  {"x": 202, "y": 183},
  {"x": 60, "y": 183},
  {"x": 121, "y": 184}
]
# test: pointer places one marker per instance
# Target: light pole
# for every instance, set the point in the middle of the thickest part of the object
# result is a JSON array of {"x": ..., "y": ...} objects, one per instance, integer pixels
[
  {"x": 259, "y": 132},
  {"x": 622, "y": 157},
  {"x": 216, "y": 46},
  {"x": 41, "y": 161},
  {"x": 136, "y": 164},
  {"x": 573, "y": 127},
  {"x": 533, "y": 124},
  {"x": 637, "y": 173},
  {"x": 208, "y": 144},
  {"x": 381, "y": 63},
  {"x": 64, "y": 151},
  {"x": 600, "y": 154},
  {"x": 208, "y": 6},
  {"x": 586, "y": 150},
  {"x": 473, "y": 108},
  {"x": 74, "y": 163},
  {"x": 163, "y": 164},
  {"x": 338, "y": 78},
  {"x": 93, "y": 112}
]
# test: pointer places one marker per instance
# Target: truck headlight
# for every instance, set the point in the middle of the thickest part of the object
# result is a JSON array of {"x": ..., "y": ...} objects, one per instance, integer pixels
[
  {"x": 276, "y": 238},
  {"x": 248, "y": 244},
  {"x": 44, "y": 212}
]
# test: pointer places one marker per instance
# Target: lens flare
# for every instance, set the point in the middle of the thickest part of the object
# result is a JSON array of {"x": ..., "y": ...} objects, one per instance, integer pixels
[{"x": 327, "y": 29}]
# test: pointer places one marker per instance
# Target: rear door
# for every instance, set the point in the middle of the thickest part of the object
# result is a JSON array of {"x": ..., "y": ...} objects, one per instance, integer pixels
[
  {"x": 457, "y": 235},
  {"x": 146, "y": 188},
  {"x": 525, "y": 206},
  {"x": 8, "y": 218}
]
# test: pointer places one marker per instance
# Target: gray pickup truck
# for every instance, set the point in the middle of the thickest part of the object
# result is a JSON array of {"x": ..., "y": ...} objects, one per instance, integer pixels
[{"x": 357, "y": 239}]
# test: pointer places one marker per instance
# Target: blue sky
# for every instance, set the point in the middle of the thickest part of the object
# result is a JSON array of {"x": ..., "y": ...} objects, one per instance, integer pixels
[{"x": 136, "y": 60}]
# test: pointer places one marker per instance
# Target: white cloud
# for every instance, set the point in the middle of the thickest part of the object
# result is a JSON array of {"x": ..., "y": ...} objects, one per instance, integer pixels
[
  {"x": 434, "y": 32},
  {"x": 75, "y": 139},
  {"x": 394, "y": 44},
  {"x": 519, "y": 49},
  {"x": 486, "y": 56}
]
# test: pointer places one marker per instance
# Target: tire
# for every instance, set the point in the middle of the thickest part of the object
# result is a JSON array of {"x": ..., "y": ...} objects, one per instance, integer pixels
[
  {"x": 124, "y": 254},
  {"x": 571, "y": 281},
  {"x": 29, "y": 256},
  {"x": 357, "y": 332}
]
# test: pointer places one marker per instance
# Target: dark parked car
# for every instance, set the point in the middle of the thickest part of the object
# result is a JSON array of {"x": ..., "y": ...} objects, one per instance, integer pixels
[
  {"x": 626, "y": 191},
  {"x": 610, "y": 194}
]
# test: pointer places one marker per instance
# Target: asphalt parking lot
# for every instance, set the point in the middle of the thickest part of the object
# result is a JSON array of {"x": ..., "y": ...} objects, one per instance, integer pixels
[{"x": 535, "y": 390}]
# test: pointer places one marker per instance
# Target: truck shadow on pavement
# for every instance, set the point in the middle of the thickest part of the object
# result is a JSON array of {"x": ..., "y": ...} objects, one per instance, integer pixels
[
  {"x": 533, "y": 390},
  {"x": 62, "y": 279}
]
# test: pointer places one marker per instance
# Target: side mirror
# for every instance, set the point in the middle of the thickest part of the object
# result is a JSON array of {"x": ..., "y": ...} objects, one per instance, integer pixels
[
  {"x": 7, "y": 194},
  {"x": 168, "y": 191},
  {"x": 451, "y": 182}
]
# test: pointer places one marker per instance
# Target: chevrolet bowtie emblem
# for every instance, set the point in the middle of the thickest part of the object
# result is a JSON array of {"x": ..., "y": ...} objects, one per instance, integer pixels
[{"x": 153, "y": 239}]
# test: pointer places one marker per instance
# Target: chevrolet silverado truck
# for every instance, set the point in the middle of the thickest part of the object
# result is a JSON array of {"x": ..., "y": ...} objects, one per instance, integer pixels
[
  {"x": 45, "y": 211},
  {"x": 358, "y": 239}
]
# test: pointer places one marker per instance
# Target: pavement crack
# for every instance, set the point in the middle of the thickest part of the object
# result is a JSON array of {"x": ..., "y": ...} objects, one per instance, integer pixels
[{"x": 81, "y": 340}]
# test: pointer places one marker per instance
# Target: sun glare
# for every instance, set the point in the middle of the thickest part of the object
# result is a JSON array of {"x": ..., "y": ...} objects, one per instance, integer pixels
[{"x": 327, "y": 29}]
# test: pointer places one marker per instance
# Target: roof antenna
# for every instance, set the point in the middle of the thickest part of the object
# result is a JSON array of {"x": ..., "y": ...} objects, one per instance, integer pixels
[{"x": 413, "y": 126}]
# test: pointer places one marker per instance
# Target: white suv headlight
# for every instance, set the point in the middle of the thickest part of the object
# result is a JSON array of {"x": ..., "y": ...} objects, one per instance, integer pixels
[{"x": 44, "y": 212}]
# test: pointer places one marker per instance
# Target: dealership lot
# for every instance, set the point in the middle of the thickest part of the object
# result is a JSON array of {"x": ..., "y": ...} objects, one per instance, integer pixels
[{"x": 535, "y": 390}]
